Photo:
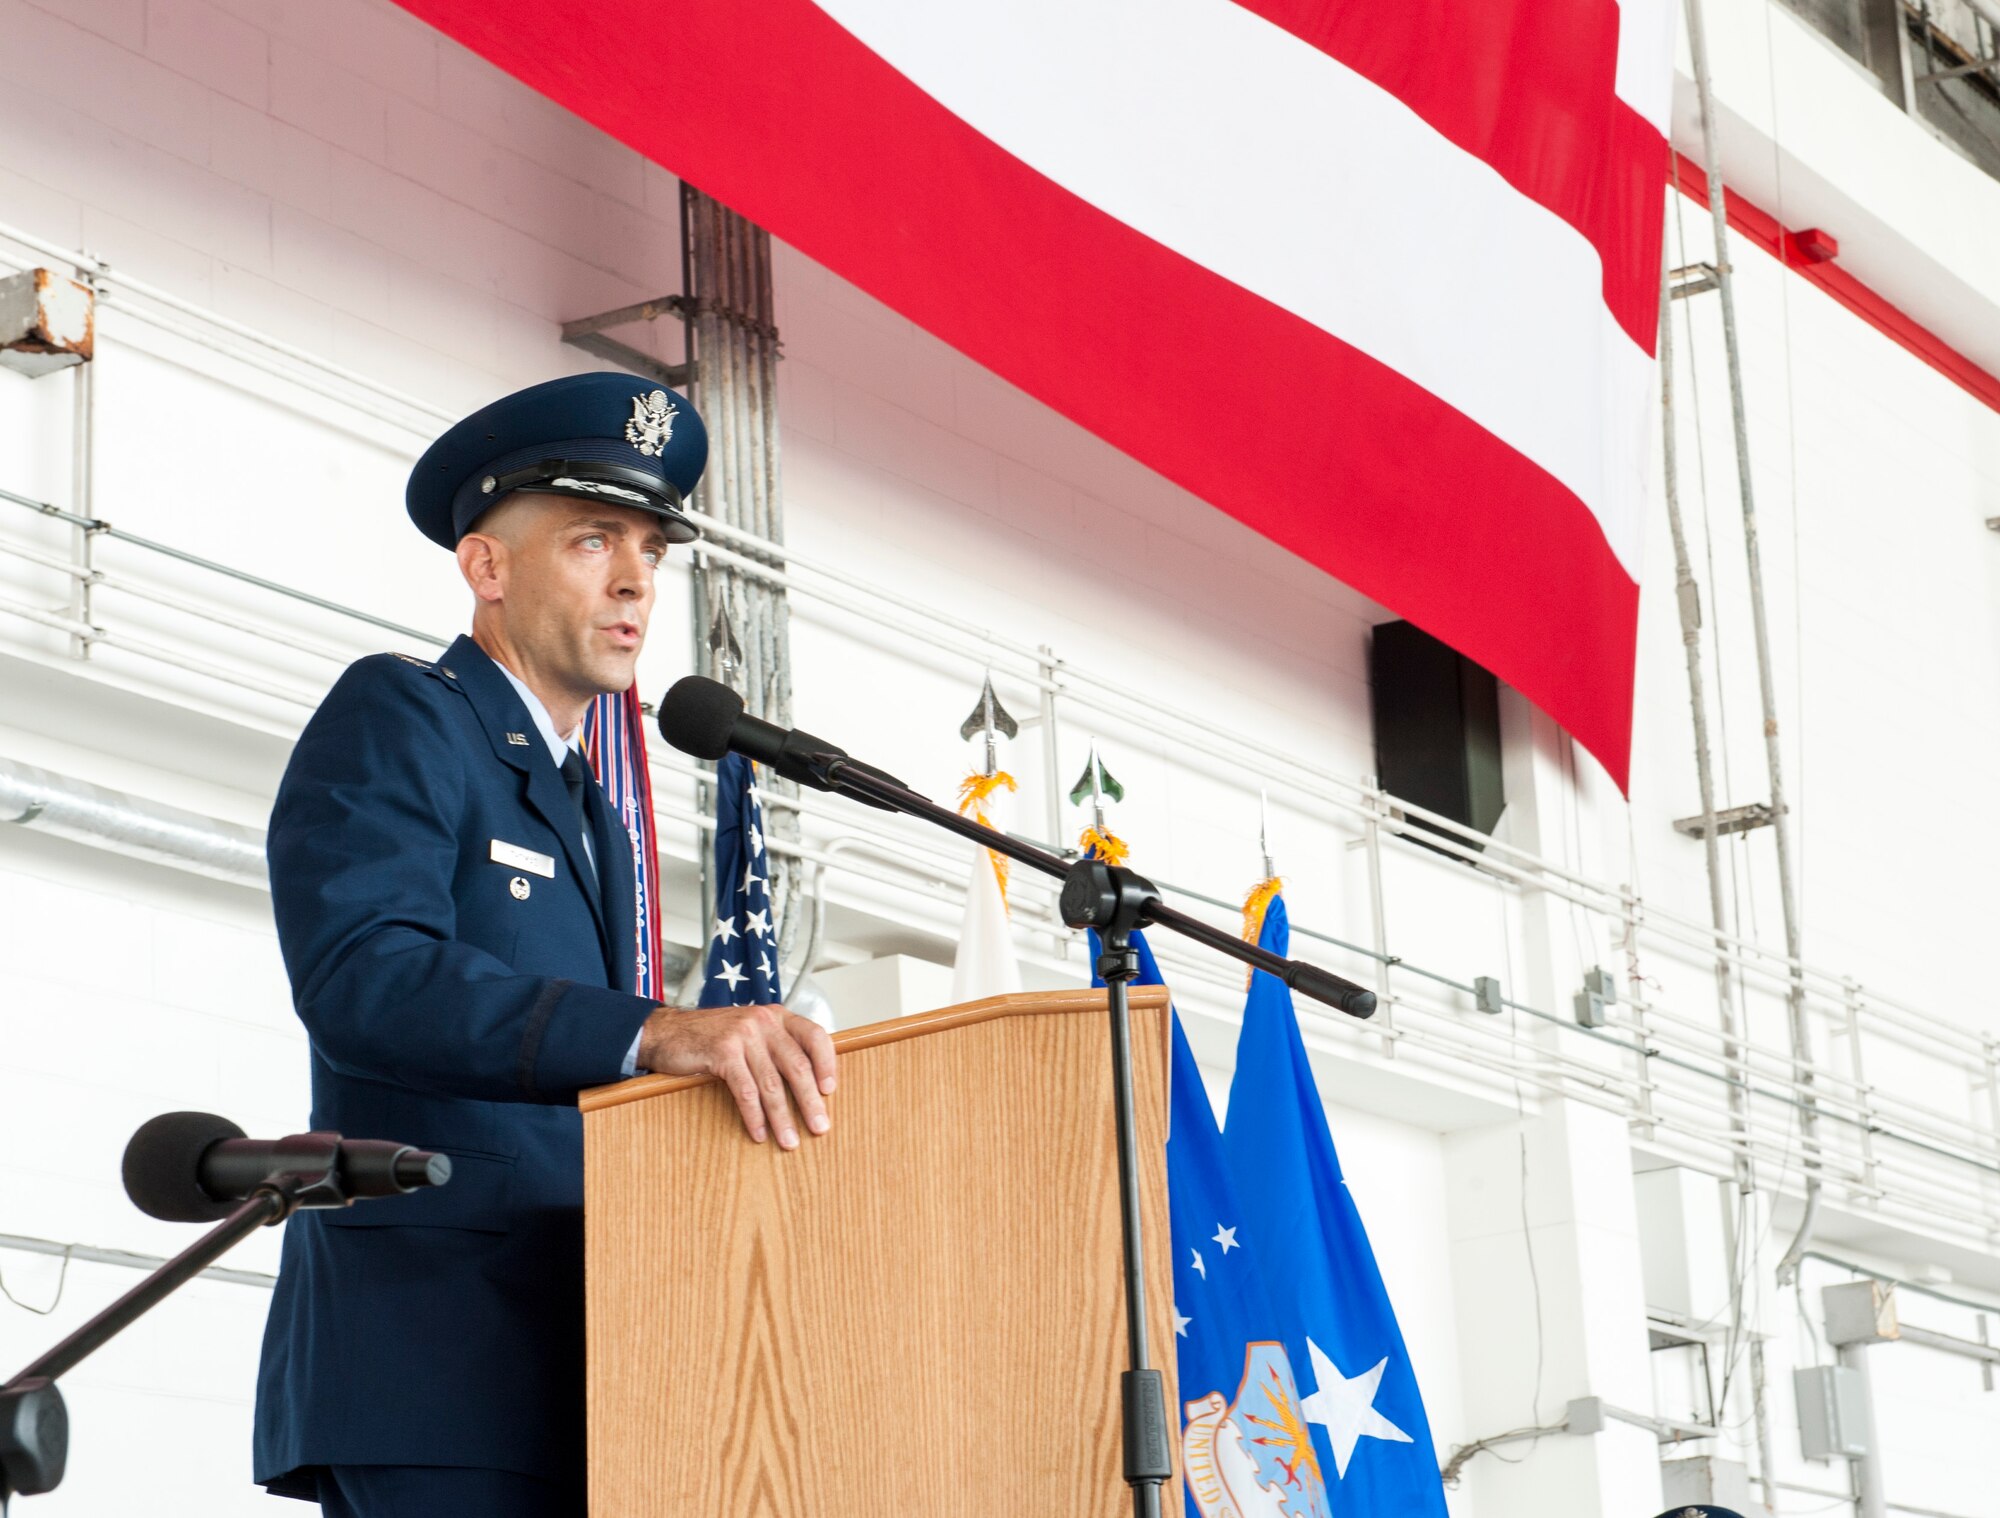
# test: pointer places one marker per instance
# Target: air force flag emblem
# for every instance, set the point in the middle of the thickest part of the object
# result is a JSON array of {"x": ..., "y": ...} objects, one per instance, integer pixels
[
  {"x": 652, "y": 423},
  {"x": 1253, "y": 1457}
]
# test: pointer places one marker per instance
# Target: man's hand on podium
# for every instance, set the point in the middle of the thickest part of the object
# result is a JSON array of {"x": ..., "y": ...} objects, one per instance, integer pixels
[{"x": 757, "y": 1052}]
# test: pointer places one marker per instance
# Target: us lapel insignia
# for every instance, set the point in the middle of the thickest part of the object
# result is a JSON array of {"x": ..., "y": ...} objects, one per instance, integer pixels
[{"x": 519, "y": 740}]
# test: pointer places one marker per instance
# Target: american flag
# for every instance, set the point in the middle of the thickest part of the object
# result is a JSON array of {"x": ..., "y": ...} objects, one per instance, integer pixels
[
  {"x": 1381, "y": 281},
  {"x": 741, "y": 967}
]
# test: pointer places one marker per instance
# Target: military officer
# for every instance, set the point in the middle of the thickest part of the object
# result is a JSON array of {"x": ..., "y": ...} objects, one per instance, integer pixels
[{"x": 454, "y": 901}]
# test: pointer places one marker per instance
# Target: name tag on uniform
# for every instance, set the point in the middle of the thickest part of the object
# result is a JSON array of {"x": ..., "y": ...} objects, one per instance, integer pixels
[{"x": 513, "y": 855}]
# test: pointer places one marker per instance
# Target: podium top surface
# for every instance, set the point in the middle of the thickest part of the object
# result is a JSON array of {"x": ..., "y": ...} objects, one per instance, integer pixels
[{"x": 894, "y": 1030}]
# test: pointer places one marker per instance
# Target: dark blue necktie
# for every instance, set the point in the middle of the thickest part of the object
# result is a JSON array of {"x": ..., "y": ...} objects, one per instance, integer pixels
[{"x": 576, "y": 775}]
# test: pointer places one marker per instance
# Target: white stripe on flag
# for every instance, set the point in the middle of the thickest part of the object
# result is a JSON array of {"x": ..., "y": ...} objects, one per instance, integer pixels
[
  {"x": 1252, "y": 153},
  {"x": 1646, "y": 33}
]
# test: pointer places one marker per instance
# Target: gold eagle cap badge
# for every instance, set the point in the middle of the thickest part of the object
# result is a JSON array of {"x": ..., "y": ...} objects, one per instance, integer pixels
[{"x": 652, "y": 423}]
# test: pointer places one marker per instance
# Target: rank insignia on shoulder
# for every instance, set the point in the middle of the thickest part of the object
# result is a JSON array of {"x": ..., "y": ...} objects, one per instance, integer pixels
[
  {"x": 411, "y": 659},
  {"x": 519, "y": 740}
]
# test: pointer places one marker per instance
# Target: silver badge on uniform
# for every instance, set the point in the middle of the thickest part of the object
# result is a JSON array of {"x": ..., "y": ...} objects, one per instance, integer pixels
[
  {"x": 652, "y": 423},
  {"x": 514, "y": 855},
  {"x": 519, "y": 887},
  {"x": 519, "y": 740}
]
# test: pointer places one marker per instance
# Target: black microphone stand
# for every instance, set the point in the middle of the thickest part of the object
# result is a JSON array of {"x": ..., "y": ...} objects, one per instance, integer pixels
[
  {"x": 34, "y": 1423},
  {"x": 1116, "y": 902}
]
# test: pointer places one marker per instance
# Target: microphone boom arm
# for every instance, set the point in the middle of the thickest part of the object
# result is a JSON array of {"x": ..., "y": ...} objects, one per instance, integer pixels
[
  {"x": 862, "y": 782},
  {"x": 34, "y": 1423},
  {"x": 305, "y": 1171}
]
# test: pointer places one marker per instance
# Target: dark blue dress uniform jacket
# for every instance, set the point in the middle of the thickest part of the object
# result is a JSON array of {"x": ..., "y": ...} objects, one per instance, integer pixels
[{"x": 447, "y": 1011}]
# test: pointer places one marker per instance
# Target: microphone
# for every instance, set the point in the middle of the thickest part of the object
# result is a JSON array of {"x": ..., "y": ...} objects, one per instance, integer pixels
[
  {"x": 194, "y": 1167},
  {"x": 706, "y": 719}
]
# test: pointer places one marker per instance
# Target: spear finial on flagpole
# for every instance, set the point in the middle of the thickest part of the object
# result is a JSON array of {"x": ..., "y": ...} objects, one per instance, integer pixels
[
  {"x": 723, "y": 649},
  {"x": 992, "y": 719},
  {"x": 1096, "y": 782},
  {"x": 1264, "y": 831}
]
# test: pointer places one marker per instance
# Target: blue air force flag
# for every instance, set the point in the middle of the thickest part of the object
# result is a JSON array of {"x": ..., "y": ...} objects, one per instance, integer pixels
[
  {"x": 741, "y": 966},
  {"x": 1359, "y": 1390},
  {"x": 1246, "y": 1449}
]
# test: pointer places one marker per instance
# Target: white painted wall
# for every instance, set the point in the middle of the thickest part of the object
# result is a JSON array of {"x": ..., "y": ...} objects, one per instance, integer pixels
[{"x": 338, "y": 176}]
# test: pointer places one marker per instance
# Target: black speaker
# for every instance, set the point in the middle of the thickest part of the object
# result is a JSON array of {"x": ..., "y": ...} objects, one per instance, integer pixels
[{"x": 1437, "y": 727}]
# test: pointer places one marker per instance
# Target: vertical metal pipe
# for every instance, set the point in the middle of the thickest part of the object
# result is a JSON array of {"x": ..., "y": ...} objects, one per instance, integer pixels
[
  {"x": 1795, "y": 1001},
  {"x": 83, "y": 457},
  {"x": 1647, "y": 1121},
  {"x": 730, "y": 309},
  {"x": 1870, "y": 1501},
  {"x": 771, "y": 459},
  {"x": 1052, "y": 787},
  {"x": 1371, "y": 832},
  {"x": 1687, "y": 594},
  {"x": 1857, "y": 1070}
]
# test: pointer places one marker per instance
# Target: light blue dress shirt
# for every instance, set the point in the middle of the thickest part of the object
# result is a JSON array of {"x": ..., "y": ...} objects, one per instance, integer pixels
[{"x": 559, "y": 748}]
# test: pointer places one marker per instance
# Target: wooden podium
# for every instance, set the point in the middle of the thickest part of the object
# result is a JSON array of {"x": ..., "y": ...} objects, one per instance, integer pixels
[{"x": 921, "y": 1312}]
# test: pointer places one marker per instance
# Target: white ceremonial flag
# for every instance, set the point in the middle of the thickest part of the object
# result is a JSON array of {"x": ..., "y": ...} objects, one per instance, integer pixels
[{"x": 985, "y": 965}]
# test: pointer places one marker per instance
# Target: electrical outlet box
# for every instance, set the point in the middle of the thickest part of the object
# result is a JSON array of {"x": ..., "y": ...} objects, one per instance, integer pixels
[
  {"x": 47, "y": 322},
  {"x": 1599, "y": 993},
  {"x": 1705, "y": 1479},
  {"x": 1861, "y": 1312},
  {"x": 1833, "y": 1412}
]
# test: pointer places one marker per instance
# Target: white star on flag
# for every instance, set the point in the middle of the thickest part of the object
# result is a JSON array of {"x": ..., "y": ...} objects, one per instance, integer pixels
[
  {"x": 764, "y": 964},
  {"x": 1200, "y": 1268},
  {"x": 730, "y": 974},
  {"x": 1181, "y": 1323},
  {"x": 756, "y": 840},
  {"x": 1226, "y": 1237},
  {"x": 751, "y": 879},
  {"x": 725, "y": 928},
  {"x": 1346, "y": 1408},
  {"x": 757, "y": 922}
]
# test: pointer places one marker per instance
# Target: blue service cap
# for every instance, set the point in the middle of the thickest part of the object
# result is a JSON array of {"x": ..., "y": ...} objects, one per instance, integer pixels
[
  {"x": 1701, "y": 1510},
  {"x": 599, "y": 437}
]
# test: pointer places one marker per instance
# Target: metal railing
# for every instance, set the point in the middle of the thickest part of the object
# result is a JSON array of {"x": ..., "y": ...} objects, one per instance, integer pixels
[{"x": 257, "y": 651}]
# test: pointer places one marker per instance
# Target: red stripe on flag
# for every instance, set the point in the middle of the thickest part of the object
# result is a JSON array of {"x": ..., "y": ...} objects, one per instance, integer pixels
[
  {"x": 1529, "y": 92},
  {"x": 1343, "y": 461}
]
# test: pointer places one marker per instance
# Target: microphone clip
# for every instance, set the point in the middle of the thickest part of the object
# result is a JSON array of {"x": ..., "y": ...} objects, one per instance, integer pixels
[
  {"x": 1116, "y": 902},
  {"x": 305, "y": 1172}
]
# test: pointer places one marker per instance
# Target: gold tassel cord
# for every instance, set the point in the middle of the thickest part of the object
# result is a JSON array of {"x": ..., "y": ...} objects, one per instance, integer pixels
[
  {"x": 973, "y": 793},
  {"x": 975, "y": 788},
  {"x": 1255, "y": 905},
  {"x": 1109, "y": 846}
]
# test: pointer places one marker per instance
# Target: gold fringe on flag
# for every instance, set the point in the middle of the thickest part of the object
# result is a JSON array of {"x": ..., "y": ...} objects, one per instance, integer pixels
[
  {"x": 1109, "y": 846},
  {"x": 1255, "y": 905},
  {"x": 973, "y": 793}
]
